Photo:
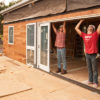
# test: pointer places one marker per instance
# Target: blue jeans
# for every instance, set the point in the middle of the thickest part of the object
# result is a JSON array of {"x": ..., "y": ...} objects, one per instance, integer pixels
[
  {"x": 61, "y": 56},
  {"x": 92, "y": 67}
]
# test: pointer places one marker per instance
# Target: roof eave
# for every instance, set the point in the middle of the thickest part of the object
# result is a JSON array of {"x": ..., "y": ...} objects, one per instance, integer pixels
[{"x": 17, "y": 6}]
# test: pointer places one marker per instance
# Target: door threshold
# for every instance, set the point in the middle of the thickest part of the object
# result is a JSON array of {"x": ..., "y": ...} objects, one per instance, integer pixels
[{"x": 75, "y": 82}]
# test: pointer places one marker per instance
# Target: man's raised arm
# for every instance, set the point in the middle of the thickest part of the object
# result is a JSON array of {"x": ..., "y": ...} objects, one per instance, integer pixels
[
  {"x": 54, "y": 28},
  {"x": 77, "y": 28},
  {"x": 98, "y": 29}
]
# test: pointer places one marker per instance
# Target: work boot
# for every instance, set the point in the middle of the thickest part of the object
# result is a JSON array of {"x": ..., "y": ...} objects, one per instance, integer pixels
[
  {"x": 64, "y": 72},
  {"x": 58, "y": 70}
]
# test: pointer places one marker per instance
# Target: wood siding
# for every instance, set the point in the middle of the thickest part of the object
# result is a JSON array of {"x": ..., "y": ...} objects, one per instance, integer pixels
[{"x": 18, "y": 50}]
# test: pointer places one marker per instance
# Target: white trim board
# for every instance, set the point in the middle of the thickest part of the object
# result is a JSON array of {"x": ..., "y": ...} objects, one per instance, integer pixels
[
  {"x": 18, "y": 5},
  {"x": 74, "y": 18}
]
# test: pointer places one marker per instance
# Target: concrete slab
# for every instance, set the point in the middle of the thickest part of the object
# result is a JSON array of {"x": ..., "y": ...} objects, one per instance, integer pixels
[
  {"x": 2, "y": 69},
  {"x": 9, "y": 87},
  {"x": 45, "y": 86}
]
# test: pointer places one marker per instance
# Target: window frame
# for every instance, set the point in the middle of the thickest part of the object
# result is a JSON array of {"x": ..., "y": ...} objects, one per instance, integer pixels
[
  {"x": 9, "y": 35},
  {"x": 31, "y": 47}
]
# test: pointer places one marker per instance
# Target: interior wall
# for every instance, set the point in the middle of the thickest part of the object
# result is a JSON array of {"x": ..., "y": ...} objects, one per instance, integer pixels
[{"x": 74, "y": 43}]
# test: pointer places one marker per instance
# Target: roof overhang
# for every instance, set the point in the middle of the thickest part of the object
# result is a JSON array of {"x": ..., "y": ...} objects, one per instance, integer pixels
[{"x": 18, "y": 5}]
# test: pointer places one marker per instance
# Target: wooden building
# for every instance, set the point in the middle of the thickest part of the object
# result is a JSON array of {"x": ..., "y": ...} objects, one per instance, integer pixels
[{"x": 28, "y": 34}]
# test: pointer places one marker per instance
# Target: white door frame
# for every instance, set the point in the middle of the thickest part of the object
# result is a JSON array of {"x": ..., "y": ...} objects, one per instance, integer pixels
[
  {"x": 43, "y": 67},
  {"x": 31, "y": 47}
]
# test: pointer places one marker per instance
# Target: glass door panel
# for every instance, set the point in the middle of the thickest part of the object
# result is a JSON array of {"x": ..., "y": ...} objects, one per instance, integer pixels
[
  {"x": 31, "y": 44},
  {"x": 44, "y": 46}
]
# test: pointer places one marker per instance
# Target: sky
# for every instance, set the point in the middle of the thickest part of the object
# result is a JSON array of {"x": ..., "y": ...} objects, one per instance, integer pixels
[{"x": 7, "y": 1}]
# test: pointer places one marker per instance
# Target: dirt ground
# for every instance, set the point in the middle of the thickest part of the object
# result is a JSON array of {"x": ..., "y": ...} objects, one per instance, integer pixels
[{"x": 44, "y": 86}]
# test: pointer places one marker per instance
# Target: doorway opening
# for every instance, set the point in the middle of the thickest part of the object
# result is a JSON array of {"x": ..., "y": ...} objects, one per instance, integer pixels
[
  {"x": 76, "y": 61},
  {"x": 74, "y": 47}
]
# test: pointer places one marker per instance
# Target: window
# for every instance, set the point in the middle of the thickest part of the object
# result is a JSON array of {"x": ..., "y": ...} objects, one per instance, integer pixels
[
  {"x": 11, "y": 35},
  {"x": 30, "y": 35}
]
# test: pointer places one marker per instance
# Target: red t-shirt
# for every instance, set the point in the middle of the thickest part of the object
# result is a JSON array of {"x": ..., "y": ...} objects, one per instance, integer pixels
[{"x": 91, "y": 42}]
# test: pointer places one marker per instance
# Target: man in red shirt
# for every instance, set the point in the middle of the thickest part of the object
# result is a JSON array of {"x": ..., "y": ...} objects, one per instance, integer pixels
[
  {"x": 60, "y": 44},
  {"x": 91, "y": 49}
]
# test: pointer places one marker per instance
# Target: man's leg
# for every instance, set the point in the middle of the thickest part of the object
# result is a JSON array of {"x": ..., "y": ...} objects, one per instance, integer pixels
[
  {"x": 63, "y": 54},
  {"x": 59, "y": 60},
  {"x": 89, "y": 64},
  {"x": 95, "y": 70}
]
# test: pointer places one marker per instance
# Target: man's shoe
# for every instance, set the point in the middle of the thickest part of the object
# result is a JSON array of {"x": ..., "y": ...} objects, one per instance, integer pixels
[
  {"x": 58, "y": 70},
  {"x": 89, "y": 83},
  {"x": 95, "y": 85},
  {"x": 64, "y": 72}
]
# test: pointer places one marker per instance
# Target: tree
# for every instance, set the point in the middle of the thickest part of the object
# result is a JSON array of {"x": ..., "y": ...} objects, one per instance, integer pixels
[
  {"x": 13, "y": 3},
  {"x": 2, "y": 7}
]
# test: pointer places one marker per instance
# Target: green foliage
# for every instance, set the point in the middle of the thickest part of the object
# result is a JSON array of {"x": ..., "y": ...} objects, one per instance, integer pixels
[
  {"x": 2, "y": 7},
  {"x": 1, "y": 25},
  {"x": 13, "y": 3},
  {"x": 1, "y": 36}
]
